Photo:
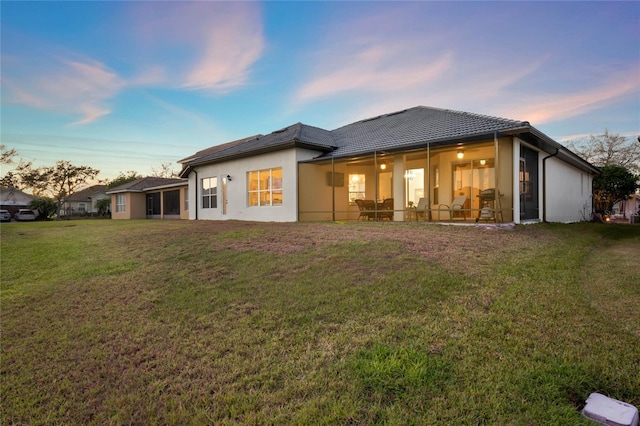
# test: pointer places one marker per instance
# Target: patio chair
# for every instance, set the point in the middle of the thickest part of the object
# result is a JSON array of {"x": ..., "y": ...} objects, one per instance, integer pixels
[
  {"x": 385, "y": 209},
  {"x": 456, "y": 207},
  {"x": 367, "y": 208},
  {"x": 421, "y": 208}
]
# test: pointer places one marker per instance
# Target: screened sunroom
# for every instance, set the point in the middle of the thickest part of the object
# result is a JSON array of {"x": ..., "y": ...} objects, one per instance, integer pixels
[{"x": 462, "y": 182}]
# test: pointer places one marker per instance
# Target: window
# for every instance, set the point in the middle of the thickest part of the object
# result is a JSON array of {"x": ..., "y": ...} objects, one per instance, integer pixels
[
  {"x": 82, "y": 207},
  {"x": 356, "y": 187},
  {"x": 414, "y": 179},
  {"x": 186, "y": 199},
  {"x": 210, "y": 193},
  {"x": 265, "y": 187},
  {"x": 121, "y": 203}
]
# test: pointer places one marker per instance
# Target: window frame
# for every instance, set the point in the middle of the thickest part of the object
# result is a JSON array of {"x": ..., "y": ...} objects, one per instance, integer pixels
[
  {"x": 267, "y": 188},
  {"x": 121, "y": 203},
  {"x": 211, "y": 196},
  {"x": 354, "y": 193}
]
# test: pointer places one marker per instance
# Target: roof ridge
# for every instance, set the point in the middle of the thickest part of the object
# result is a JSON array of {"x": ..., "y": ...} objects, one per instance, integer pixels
[{"x": 472, "y": 114}]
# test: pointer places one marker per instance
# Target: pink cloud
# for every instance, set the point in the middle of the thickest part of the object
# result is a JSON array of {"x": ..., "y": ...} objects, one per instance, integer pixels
[
  {"x": 74, "y": 87},
  {"x": 200, "y": 45},
  {"x": 551, "y": 107}
]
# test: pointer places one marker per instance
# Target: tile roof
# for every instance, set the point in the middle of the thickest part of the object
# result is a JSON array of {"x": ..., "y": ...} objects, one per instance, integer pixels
[
  {"x": 87, "y": 193},
  {"x": 295, "y": 135},
  {"x": 415, "y": 126},
  {"x": 145, "y": 183},
  {"x": 406, "y": 129},
  {"x": 216, "y": 148}
]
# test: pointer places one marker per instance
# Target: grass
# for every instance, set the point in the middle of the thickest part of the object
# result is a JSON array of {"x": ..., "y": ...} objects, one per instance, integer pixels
[{"x": 179, "y": 322}]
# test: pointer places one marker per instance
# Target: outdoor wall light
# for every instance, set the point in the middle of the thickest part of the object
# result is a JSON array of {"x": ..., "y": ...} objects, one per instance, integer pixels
[
  {"x": 460, "y": 154},
  {"x": 229, "y": 178}
]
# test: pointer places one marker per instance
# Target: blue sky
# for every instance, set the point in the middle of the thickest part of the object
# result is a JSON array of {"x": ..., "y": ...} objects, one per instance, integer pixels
[{"x": 125, "y": 86}]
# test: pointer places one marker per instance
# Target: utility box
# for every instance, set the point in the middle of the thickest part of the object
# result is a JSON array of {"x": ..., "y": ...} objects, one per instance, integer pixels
[{"x": 609, "y": 411}]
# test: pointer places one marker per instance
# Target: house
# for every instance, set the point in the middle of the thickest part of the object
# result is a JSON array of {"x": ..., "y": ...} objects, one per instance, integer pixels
[
  {"x": 13, "y": 199},
  {"x": 150, "y": 198},
  {"x": 85, "y": 201},
  {"x": 453, "y": 165},
  {"x": 629, "y": 208}
]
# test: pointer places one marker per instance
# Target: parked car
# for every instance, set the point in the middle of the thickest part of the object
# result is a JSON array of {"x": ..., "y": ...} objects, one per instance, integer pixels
[
  {"x": 5, "y": 216},
  {"x": 25, "y": 214}
]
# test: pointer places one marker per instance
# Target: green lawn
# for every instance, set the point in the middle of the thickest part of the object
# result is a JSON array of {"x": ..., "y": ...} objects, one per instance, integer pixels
[{"x": 182, "y": 322}]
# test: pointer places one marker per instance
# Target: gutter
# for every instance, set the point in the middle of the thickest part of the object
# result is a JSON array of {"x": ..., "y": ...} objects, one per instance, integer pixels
[{"x": 544, "y": 184}]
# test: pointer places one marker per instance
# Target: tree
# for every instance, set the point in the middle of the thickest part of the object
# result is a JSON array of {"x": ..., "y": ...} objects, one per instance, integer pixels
[
  {"x": 608, "y": 149},
  {"x": 122, "y": 178},
  {"x": 46, "y": 207},
  {"x": 57, "y": 182},
  {"x": 6, "y": 156},
  {"x": 165, "y": 171},
  {"x": 613, "y": 184},
  {"x": 9, "y": 180},
  {"x": 104, "y": 206}
]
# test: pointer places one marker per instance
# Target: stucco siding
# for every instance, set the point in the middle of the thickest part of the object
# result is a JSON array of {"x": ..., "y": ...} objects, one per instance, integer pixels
[
  {"x": 568, "y": 192},
  {"x": 134, "y": 206},
  {"x": 236, "y": 195}
]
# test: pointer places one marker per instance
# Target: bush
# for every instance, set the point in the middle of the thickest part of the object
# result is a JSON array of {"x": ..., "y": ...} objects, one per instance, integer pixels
[{"x": 45, "y": 206}]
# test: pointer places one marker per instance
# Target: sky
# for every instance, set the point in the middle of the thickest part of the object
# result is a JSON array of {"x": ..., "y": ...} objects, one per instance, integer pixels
[{"x": 128, "y": 86}]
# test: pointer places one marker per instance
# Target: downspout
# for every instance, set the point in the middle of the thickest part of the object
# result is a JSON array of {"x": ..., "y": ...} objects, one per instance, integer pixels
[
  {"x": 544, "y": 184},
  {"x": 196, "y": 194}
]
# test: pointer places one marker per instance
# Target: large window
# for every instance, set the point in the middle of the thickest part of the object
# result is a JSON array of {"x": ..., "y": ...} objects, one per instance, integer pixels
[
  {"x": 472, "y": 177},
  {"x": 186, "y": 199},
  {"x": 121, "y": 201},
  {"x": 356, "y": 187},
  {"x": 210, "y": 193},
  {"x": 265, "y": 187}
]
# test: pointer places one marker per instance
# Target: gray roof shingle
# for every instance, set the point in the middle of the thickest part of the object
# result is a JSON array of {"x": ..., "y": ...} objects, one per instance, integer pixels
[
  {"x": 297, "y": 134},
  {"x": 415, "y": 126},
  {"x": 406, "y": 129},
  {"x": 87, "y": 193},
  {"x": 145, "y": 183}
]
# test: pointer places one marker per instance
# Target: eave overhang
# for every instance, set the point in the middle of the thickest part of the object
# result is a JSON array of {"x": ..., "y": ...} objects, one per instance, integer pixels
[{"x": 295, "y": 143}]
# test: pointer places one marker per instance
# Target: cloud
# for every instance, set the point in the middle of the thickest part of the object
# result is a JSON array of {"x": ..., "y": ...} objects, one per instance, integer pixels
[
  {"x": 208, "y": 46},
  {"x": 80, "y": 87},
  {"x": 551, "y": 107},
  {"x": 199, "y": 45},
  {"x": 390, "y": 59}
]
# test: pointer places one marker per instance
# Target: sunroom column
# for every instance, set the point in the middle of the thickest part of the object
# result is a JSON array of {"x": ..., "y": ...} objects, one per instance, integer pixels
[{"x": 398, "y": 187}]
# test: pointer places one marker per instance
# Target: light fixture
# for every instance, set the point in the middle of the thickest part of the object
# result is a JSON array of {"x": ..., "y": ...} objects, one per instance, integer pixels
[
  {"x": 483, "y": 162},
  {"x": 383, "y": 166},
  {"x": 229, "y": 178},
  {"x": 460, "y": 154}
]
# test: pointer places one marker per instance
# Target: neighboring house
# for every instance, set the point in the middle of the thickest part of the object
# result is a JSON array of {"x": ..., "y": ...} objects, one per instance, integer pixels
[
  {"x": 151, "y": 198},
  {"x": 13, "y": 199},
  {"x": 629, "y": 208},
  {"x": 421, "y": 156},
  {"x": 85, "y": 201}
]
